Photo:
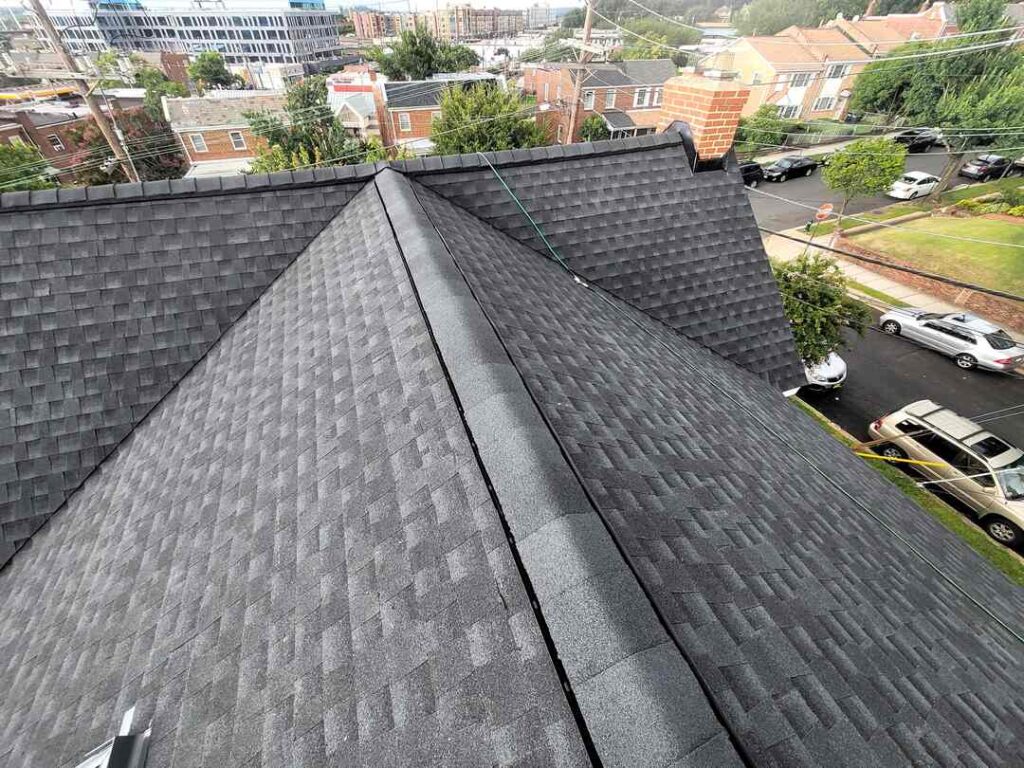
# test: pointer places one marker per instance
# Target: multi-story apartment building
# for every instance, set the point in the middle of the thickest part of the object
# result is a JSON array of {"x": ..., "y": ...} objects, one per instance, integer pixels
[
  {"x": 281, "y": 31},
  {"x": 464, "y": 22},
  {"x": 373, "y": 25},
  {"x": 539, "y": 16}
]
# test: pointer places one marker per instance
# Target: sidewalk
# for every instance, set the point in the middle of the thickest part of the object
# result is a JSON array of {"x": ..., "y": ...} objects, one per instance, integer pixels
[{"x": 816, "y": 149}]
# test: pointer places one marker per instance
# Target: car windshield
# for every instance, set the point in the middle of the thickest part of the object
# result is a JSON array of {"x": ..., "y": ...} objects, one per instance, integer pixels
[
  {"x": 928, "y": 316},
  {"x": 785, "y": 163},
  {"x": 989, "y": 158},
  {"x": 1001, "y": 340},
  {"x": 908, "y": 179},
  {"x": 1011, "y": 479}
]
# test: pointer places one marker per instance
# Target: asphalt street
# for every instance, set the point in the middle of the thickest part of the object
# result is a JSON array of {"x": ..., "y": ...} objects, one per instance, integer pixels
[
  {"x": 887, "y": 372},
  {"x": 776, "y": 214}
]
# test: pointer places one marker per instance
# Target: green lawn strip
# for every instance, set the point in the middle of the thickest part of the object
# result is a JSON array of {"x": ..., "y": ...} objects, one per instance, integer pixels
[
  {"x": 1005, "y": 560},
  {"x": 874, "y": 293},
  {"x": 924, "y": 243},
  {"x": 882, "y": 214},
  {"x": 977, "y": 190}
]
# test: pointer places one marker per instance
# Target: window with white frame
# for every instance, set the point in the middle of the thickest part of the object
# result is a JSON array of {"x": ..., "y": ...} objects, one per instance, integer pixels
[
  {"x": 237, "y": 140},
  {"x": 16, "y": 141},
  {"x": 788, "y": 112},
  {"x": 837, "y": 70},
  {"x": 640, "y": 97},
  {"x": 657, "y": 96},
  {"x": 198, "y": 142},
  {"x": 547, "y": 91},
  {"x": 558, "y": 92},
  {"x": 55, "y": 142},
  {"x": 609, "y": 98},
  {"x": 800, "y": 79},
  {"x": 404, "y": 121},
  {"x": 823, "y": 103},
  {"x": 588, "y": 99}
]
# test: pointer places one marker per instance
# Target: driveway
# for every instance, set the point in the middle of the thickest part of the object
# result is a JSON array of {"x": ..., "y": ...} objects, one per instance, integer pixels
[
  {"x": 778, "y": 215},
  {"x": 887, "y": 372}
]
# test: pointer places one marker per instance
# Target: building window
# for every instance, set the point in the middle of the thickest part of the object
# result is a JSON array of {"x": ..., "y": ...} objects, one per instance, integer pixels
[
  {"x": 800, "y": 80},
  {"x": 788, "y": 112},
  {"x": 609, "y": 98},
  {"x": 404, "y": 121},
  {"x": 588, "y": 99},
  {"x": 657, "y": 96},
  {"x": 837, "y": 70},
  {"x": 198, "y": 142},
  {"x": 16, "y": 141},
  {"x": 55, "y": 142},
  {"x": 640, "y": 97},
  {"x": 237, "y": 140},
  {"x": 825, "y": 102},
  {"x": 547, "y": 91}
]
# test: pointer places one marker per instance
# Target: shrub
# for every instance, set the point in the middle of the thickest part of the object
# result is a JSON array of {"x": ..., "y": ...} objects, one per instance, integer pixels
[{"x": 1017, "y": 210}]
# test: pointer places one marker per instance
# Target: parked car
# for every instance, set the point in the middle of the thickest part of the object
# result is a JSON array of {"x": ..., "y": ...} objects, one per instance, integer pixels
[
  {"x": 985, "y": 167},
  {"x": 913, "y": 184},
  {"x": 828, "y": 374},
  {"x": 968, "y": 339},
  {"x": 1018, "y": 165},
  {"x": 790, "y": 166},
  {"x": 917, "y": 139},
  {"x": 983, "y": 471},
  {"x": 752, "y": 173}
]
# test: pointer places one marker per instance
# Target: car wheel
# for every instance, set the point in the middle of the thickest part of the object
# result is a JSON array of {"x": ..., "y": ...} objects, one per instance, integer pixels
[
  {"x": 912, "y": 195},
  {"x": 893, "y": 452},
  {"x": 754, "y": 184},
  {"x": 965, "y": 361},
  {"x": 784, "y": 177},
  {"x": 891, "y": 327},
  {"x": 809, "y": 172},
  {"x": 1002, "y": 530}
]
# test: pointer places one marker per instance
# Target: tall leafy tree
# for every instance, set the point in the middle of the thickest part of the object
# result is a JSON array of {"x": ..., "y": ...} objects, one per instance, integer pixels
[
  {"x": 816, "y": 303},
  {"x": 767, "y": 17},
  {"x": 209, "y": 71},
  {"x": 484, "y": 118},
  {"x": 864, "y": 167},
  {"x": 573, "y": 19},
  {"x": 157, "y": 85},
  {"x": 151, "y": 145},
  {"x": 22, "y": 167},
  {"x": 418, "y": 54},
  {"x": 594, "y": 129},
  {"x": 763, "y": 129}
]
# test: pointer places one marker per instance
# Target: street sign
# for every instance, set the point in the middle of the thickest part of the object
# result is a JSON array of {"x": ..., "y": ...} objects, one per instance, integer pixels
[{"x": 823, "y": 212}]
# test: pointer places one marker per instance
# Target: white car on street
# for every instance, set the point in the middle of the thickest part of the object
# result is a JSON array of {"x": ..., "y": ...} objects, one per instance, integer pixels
[
  {"x": 830, "y": 373},
  {"x": 913, "y": 184}
]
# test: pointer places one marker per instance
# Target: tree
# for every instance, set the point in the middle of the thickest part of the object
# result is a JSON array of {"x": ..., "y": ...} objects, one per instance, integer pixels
[
  {"x": 209, "y": 70},
  {"x": 863, "y": 167},
  {"x": 761, "y": 129},
  {"x": 767, "y": 17},
  {"x": 574, "y": 19},
  {"x": 666, "y": 32},
  {"x": 817, "y": 305},
  {"x": 484, "y": 118},
  {"x": 157, "y": 85},
  {"x": 109, "y": 65},
  {"x": 23, "y": 167},
  {"x": 654, "y": 46},
  {"x": 150, "y": 143},
  {"x": 594, "y": 129},
  {"x": 417, "y": 55}
]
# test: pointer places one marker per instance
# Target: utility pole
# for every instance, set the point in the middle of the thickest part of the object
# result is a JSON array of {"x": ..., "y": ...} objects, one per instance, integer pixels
[
  {"x": 83, "y": 86},
  {"x": 577, "y": 88}
]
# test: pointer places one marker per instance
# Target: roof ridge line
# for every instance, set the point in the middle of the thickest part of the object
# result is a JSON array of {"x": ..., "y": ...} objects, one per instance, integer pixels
[
  {"x": 174, "y": 387},
  {"x": 567, "y": 555}
]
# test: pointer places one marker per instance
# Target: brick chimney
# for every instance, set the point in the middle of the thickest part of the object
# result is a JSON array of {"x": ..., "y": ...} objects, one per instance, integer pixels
[{"x": 710, "y": 103}]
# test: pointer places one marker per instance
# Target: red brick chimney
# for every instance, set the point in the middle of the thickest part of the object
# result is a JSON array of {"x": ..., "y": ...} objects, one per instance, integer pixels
[{"x": 710, "y": 104}]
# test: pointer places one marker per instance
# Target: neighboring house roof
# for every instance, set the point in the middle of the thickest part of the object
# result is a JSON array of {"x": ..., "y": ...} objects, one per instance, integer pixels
[
  {"x": 359, "y": 103},
  {"x": 617, "y": 119},
  {"x": 783, "y": 53},
  {"x": 431, "y": 498},
  {"x": 415, "y": 93},
  {"x": 874, "y": 34},
  {"x": 218, "y": 167},
  {"x": 826, "y": 43},
  {"x": 42, "y": 117},
  {"x": 650, "y": 71},
  {"x": 195, "y": 112}
]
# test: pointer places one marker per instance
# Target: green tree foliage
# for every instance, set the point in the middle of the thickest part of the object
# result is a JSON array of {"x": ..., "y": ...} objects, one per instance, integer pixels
[
  {"x": 151, "y": 145},
  {"x": 209, "y": 71},
  {"x": 663, "y": 31},
  {"x": 942, "y": 89},
  {"x": 554, "y": 48},
  {"x": 574, "y": 19},
  {"x": 594, "y": 129},
  {"x": 766, "y": 17},
  {"x": 762, "y": 128},
  {"x": 109, "y": 64},
  {"x": 22, "y": 167},
  {"x": 157, "y": 85},
  {"x": 417, "y": 55},
  {"x": 484, "y": 118},
  {"x": 817, "y": 306},
  {"x": 654, "y": 46},
  {"x": 864, "y": 167}
]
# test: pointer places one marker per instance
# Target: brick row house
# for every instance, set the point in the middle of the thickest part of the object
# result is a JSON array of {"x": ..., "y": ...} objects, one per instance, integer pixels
[
  {"x": 627, "y": 95},
  {"x": 214, "y": 132},
  {"x": 809, "y": 72}
]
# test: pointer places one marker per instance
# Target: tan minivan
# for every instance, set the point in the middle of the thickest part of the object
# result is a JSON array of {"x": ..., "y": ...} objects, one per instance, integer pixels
[{"x": 983, "y": 471}]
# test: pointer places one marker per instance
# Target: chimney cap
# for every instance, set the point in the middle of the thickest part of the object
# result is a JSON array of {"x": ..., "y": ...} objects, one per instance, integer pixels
[{"x": 720, "y": 74}]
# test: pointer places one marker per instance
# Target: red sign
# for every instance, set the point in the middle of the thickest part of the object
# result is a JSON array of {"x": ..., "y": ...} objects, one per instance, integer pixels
[{"x": 823, "y": 212}]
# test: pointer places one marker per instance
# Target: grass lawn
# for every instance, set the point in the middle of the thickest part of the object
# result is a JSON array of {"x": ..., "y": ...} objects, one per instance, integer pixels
[
  {"x": 882, "y": 214},
  {"x": 882, "y": 296},
  {"x": 993, "y": 266},
  {"x": 977, "y": 190},
  {"x": 1000, "y": 557}
]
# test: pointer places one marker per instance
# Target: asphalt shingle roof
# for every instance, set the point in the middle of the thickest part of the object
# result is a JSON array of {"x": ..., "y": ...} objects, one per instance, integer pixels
[
  {"x": 616, "y": 118},
  {"x": 417, "y": 93},
  {"x": 434, "y": 500}
]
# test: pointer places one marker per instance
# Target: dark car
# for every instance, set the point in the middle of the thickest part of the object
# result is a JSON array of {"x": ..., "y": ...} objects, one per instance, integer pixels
[
  {"x": 985, "y": 167},
  {"x": 752, "y": 173},
  {"x": 788, "y": 167},
  {"x": 917, "y": 139}
]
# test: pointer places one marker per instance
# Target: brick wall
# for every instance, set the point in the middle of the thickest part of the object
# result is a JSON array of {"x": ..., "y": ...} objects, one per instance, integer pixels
[
  {"x": 12, "y": 133},
  {"x": 61, "y": 156},
  {"x": 219, "y": 145},
  {"x": 711, "y": 107},
  {"x": 419, "y": 119}
]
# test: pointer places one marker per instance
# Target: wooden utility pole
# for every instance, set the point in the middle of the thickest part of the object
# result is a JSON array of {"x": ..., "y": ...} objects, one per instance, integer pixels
[
  {"x": 83, "y": 86},
  {"x": 581, "y": 71}
]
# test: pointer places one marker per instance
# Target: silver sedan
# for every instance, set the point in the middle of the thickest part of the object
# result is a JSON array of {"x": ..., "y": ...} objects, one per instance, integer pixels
[{"x": 968, "y": 339}]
